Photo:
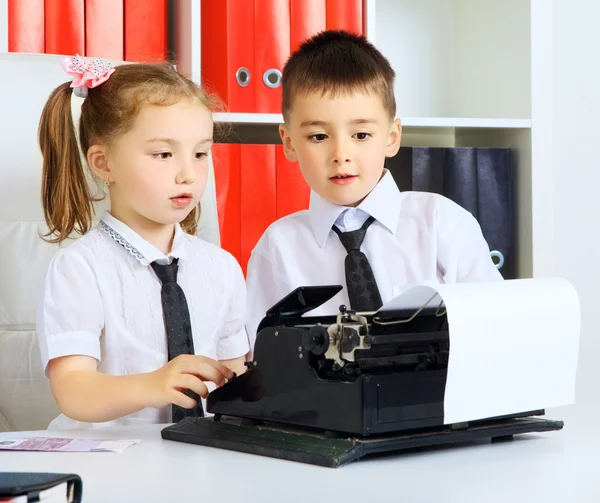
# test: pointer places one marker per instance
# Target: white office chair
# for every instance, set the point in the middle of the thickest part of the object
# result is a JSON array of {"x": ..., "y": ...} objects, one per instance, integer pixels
[{"x": 26, "y": 80}]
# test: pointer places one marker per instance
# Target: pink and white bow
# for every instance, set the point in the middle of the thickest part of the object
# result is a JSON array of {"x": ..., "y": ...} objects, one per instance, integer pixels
[{"x": 87, "y": 74}]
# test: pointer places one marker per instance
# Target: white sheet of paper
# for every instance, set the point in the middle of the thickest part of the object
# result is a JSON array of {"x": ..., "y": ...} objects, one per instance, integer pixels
[
  {"x": 513, "y": 345},
  {"x": 414, "y": 298}
]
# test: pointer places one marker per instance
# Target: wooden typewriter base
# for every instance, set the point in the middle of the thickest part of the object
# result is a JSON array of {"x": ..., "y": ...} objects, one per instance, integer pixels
[{"x": 331, "y": 449}]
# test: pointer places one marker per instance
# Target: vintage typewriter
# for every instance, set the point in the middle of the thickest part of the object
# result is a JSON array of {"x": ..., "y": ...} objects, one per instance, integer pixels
[{"x": 331, "y": 389}]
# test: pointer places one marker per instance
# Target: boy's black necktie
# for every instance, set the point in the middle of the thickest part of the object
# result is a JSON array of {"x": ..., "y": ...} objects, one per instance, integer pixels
[
  {"x": 178, "y": 326},
  {"x": 362, "y": 288}
]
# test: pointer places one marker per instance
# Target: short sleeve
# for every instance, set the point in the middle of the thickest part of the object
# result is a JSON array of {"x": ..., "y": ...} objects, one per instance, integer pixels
[
  {"x": 233, "y": 340},
  {"x": 463, "y": 253},
  {"x": 70, "y": 314}
]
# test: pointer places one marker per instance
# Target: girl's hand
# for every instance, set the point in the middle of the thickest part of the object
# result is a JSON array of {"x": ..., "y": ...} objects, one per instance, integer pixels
[{"x": 167, "y": 385}]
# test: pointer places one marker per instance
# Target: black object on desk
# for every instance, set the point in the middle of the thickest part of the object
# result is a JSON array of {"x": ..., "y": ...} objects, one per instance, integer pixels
[
  {"x": 329, "y": 390},
  {"x": 13, "y": 484},
  {"x": 320, "y": 448}
]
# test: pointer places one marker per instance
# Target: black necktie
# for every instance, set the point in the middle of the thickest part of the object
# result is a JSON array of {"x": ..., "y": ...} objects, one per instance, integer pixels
[
  {"x": 362, "y": 288},
  {"x": 178, "y": 326}
]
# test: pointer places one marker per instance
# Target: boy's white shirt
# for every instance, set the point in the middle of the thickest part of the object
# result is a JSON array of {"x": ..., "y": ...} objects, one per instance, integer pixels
[
  {"x": 417, "y": 238},
  {"x": 100, "y": 298}
]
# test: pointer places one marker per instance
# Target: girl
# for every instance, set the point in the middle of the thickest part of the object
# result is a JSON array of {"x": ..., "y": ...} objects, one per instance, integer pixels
[{"x": 125, "y": 309}]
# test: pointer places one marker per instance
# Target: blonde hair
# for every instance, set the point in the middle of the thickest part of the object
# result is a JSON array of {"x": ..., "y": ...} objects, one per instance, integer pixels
[{"x": 107, "y": 112}]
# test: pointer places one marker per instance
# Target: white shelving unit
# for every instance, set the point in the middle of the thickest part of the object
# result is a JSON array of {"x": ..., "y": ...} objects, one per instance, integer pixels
[
  {"x": 468, "y": 73},
  {"x": 480, "y": 73}
]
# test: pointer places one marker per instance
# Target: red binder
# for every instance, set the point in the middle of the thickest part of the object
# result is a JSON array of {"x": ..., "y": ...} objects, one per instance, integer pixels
[
  {"x": 227, "y": 52},
  {"x": 293, "y": 193},
  {"x": 226, "y": 165},
  {"x": 64, "y": 27},
  {"x": 26, "y": 26},
  {"x": 104, "y": 29},
  {"x": 345, "y": 15},
  {"x": 145, "y": 30},
  {"x": 258, "y": 195},
  {"x": 255, "y": 186},
  {"x": 307, "y": 18},
  {"x": 272, "y": 49}
]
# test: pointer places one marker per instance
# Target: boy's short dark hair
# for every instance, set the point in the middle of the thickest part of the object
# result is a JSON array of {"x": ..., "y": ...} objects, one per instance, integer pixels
[{"x": 337, "y": 61}]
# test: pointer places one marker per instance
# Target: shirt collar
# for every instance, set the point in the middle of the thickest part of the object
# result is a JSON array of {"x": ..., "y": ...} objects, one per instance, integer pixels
[
  {"x": 141, "y": 249},
  {"x": 382, "y": 203}
]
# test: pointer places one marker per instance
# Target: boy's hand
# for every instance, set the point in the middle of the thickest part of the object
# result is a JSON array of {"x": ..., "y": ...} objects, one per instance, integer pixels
[{"x": 167, "y": 385}]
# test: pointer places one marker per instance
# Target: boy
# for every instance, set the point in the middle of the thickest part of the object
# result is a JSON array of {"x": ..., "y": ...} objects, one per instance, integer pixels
[{"x": 360, "y": 231}]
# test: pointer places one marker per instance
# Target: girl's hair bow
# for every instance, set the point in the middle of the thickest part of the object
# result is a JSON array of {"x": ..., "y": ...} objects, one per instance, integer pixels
[{"x": 87, "y": 74}]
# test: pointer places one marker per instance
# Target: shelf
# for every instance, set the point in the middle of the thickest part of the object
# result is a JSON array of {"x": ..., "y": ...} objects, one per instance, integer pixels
[
  {"x": 238, "y": 118},
  {"x": 462, "y": 122},
  {"x": 411, "y": 122}
]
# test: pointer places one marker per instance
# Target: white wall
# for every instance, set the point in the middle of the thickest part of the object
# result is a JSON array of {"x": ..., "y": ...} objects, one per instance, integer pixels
[{"x": 577, "y": 168}]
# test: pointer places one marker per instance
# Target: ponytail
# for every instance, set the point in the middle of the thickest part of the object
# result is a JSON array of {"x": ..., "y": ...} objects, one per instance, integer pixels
[
  {"x": 66, "y": 196},
  {"x": 190, "y": 223}
]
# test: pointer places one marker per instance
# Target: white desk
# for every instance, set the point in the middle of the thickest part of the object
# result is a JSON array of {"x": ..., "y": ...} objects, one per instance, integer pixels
[{"x": 553, "y": 467}]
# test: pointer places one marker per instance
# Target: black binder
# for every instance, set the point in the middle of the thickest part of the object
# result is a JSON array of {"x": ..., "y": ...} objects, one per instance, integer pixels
[
  {"x": 13, "y": 484},
  {"x": 478, "y": 179}
]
